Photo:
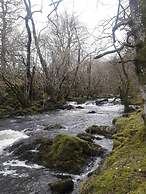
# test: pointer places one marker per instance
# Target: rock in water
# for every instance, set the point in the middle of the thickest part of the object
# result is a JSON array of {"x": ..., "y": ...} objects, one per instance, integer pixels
[
  {"x": 101, "y": 130},
  {"x": 64, "y": 153},
  {"x": 101, "y": 101},
  {"x": 86, "y": 136},
  {"x": 54, "y": 126},
  {"x": 92, "y": 112},
  {"x": 67, "y": 107},
  {"x": 62, "y": 186},
  {"x": 79, "y": 107},
  {"x": 70, "y": 154}
]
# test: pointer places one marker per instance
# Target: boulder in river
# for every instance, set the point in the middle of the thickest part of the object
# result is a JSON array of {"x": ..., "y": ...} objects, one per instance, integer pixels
[
  {"x": 64, "y": 153},
  {"x": 62, "y": 186},
  {"x": 101, "y": 130},
  {"x": 101, "y": 101},
  {"x": 70, "y": 154}
]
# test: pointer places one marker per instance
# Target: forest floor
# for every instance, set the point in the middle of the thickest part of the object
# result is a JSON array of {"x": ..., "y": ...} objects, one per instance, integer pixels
[{"x": 124, "y": 171}]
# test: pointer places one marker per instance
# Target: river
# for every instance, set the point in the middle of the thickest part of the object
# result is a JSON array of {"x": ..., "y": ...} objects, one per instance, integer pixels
[{"x": 17, "y": 177}]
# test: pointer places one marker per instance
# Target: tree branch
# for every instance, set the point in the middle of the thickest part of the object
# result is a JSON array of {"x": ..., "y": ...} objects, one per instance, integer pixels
[{"x": 109, "y": 52}]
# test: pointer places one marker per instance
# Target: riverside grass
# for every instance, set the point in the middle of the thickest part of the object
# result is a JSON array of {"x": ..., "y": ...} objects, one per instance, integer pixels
[{"x": 124, "y": 171}]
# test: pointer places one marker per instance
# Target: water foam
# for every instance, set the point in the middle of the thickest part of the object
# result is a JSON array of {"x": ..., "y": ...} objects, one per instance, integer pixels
[
  {"x": 8, "y": 137},
  {"x": 18, "y": 163}
]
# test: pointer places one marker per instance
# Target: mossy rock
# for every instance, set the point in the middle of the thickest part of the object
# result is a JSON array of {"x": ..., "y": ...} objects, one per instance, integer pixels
[
  {"x": 63, "y": 153},
  {"x": 54, "y": 126},
  {"x": 70, "y": 154},
  {"x": 62, "y": 186},
  {"x": 86, "y": 136},
  {"x": 101, "y": 130}
]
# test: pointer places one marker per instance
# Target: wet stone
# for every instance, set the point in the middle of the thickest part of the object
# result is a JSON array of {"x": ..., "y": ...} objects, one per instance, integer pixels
[{"x": 64, "y": 186}]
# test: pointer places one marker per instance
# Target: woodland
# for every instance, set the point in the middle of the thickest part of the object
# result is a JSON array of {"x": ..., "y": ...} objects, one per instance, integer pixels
[{"x": 72, "y": 103}]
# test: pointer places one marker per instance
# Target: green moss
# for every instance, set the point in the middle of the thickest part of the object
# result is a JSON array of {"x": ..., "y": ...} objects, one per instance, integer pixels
[
  {"x": 124, "y": 171},
  {"x": 86, "y": 137},
  {"x": 69, "y": 154},
  {"x": 137, "y": 100}
]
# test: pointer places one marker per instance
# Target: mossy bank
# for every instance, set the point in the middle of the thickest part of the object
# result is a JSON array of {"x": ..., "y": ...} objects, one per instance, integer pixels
[{"x": 124, "y": 171}]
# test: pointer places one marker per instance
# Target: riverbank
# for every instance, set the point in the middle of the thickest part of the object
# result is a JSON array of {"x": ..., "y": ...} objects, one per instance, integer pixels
[
  {"x": 9, "y": 109},
  {"x": 26, "y": 177},
  {"x": 124, "y": 171}
]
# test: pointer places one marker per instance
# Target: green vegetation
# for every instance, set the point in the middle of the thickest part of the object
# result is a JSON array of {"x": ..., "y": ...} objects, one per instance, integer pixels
[
  {"x": 9, "y": 109},
  {"x": 137, "y": 100},
  {"x": 86, "y": 137},
  {"x": 124, "y": 171},
  {"x": 68, "y": 153}
]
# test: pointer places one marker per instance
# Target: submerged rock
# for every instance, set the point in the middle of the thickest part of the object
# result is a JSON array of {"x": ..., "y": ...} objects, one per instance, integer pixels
[
  {"x": 101, "y": 130},
  {"x": 79, "y": 107},
  {"x": 64, "y": 153},
  {"x": 54, "y": 126},
  {"x": 62, "y": 186},
  {"x": 92, "y": 112}
]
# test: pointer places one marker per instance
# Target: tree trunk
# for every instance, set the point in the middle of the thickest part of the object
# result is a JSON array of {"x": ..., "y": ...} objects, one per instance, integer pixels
[
  {"x": 124, "y": 93},
  {"x": 138, "y": 29},
  {"x": 28, "y": 91},
  {"x": 3, "y": 37}
]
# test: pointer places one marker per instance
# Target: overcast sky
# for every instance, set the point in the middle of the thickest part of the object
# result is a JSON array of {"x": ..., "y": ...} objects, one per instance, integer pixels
[{"x": 89, "y": 12}]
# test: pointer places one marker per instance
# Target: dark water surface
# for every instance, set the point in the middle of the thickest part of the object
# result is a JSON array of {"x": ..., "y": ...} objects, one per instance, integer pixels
[{"x": 16, "y": 177}]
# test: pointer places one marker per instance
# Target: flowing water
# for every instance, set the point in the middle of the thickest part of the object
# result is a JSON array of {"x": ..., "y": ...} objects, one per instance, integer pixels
[{"x": 17, "y": 177}]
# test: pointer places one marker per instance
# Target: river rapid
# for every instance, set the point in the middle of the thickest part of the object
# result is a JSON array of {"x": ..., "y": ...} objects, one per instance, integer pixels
[{"x": 17, "y": 177}]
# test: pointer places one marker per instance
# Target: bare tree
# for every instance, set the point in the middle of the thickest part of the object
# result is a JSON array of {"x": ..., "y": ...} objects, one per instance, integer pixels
[
  {"x": 64, "y": 44},
  {"x": 129, "y": 18}
]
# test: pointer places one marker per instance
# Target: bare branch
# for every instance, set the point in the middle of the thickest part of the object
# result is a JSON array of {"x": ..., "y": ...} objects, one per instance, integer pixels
[
  {"x": 110, "y": 52},
  {"x": 55, "y": 7}
]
